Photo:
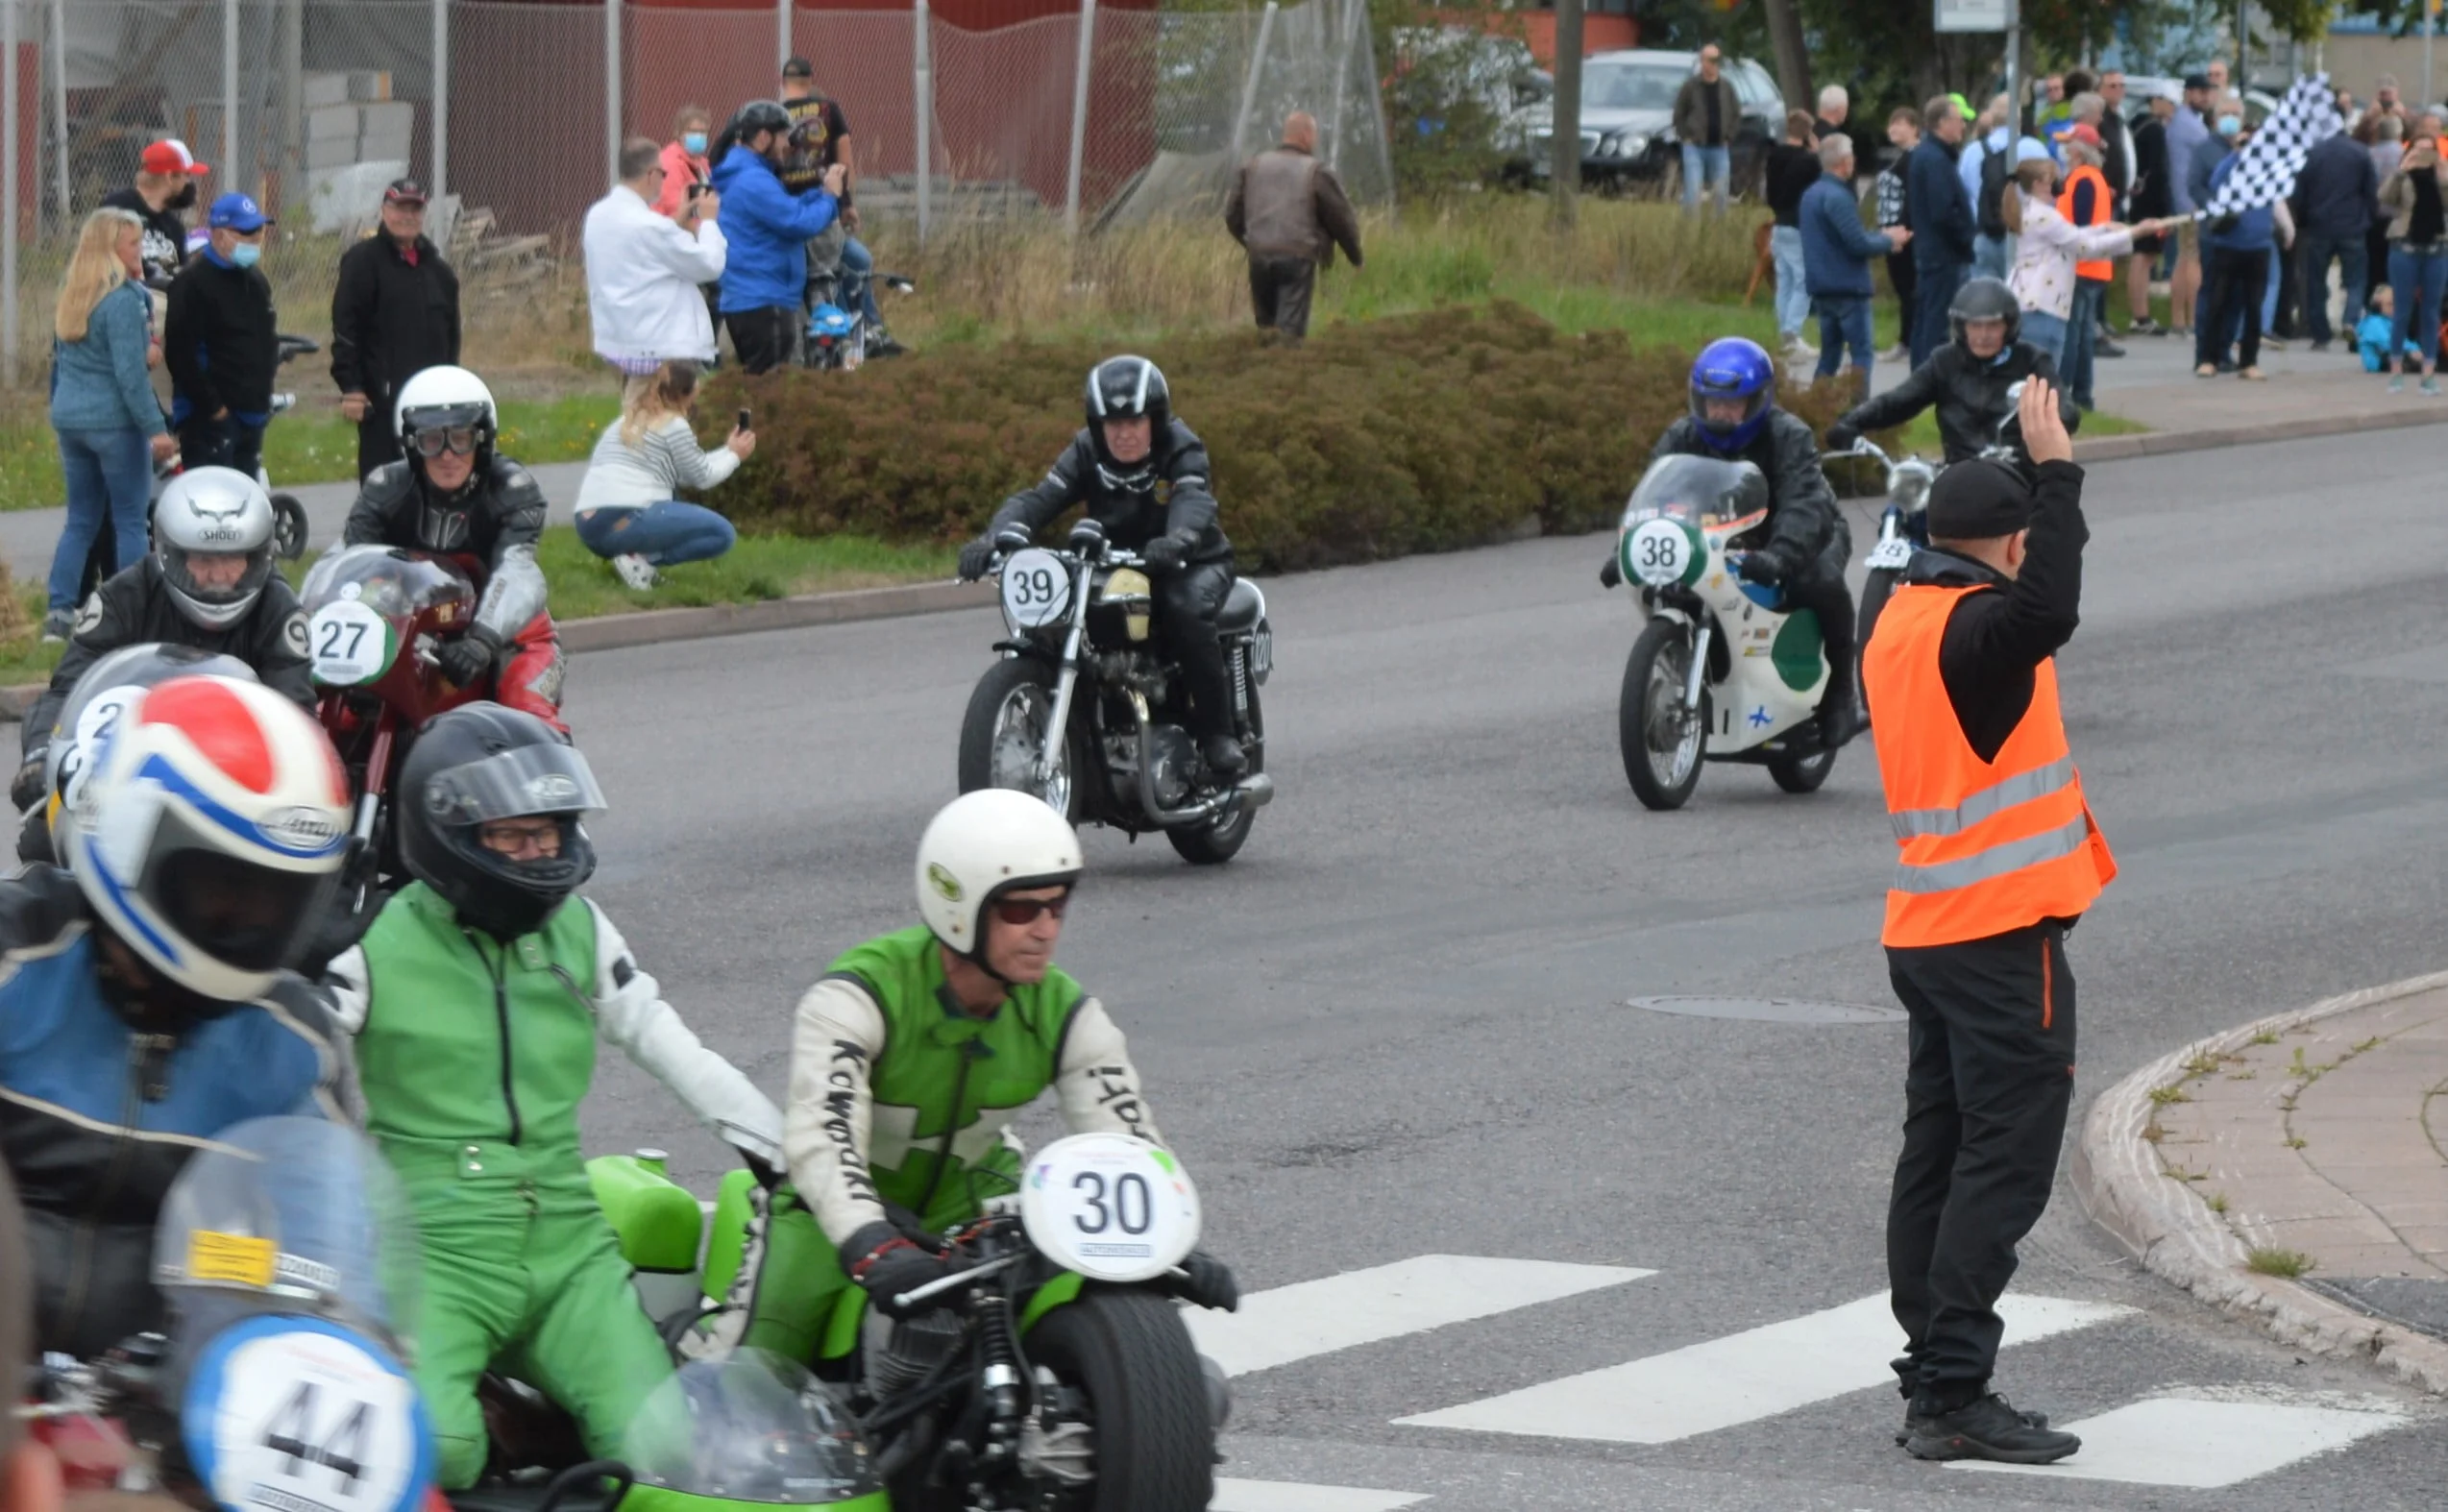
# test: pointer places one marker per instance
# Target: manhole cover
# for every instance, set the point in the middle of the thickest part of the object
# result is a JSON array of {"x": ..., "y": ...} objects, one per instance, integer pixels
[{"x": 1773, "y": 1010}]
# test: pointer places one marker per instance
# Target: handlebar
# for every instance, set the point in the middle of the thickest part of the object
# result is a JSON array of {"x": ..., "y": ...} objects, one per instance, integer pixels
[{"x": 907, "y": 1300}]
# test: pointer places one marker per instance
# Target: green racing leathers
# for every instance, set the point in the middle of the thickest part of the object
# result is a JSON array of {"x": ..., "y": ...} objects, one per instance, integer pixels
[{"x": 474, "y": 1055}]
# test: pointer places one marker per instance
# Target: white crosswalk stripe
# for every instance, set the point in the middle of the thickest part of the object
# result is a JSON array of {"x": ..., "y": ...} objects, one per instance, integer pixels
[
  {"x": 1277, "y": 1496},
  {"x": 2182, "y": 1441},
  {"x": 1744, "y": 1376},
  {"x": 1385, "y": 1301}
]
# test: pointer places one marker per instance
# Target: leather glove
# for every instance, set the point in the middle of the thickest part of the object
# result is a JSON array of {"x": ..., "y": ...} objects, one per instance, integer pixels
[
  {"x": 1611, "y": 575},
  {"x": 1764, "y": 566},
  {"x": 25, "y": 790},
  {"x": 1840, "y": 437},
  {"x": 1166, "y": 552},
  {"x": 1210, "y": 1284},
  {"x": 470, "y": 656},
  {"x": 976, "y": 557},
  {"x": 890, "y": 1263}
]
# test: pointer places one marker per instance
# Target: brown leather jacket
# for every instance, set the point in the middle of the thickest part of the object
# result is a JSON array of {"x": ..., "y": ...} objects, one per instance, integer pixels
[
  {"x": 1691, "y": 110},
  {"x": 1287, "y": 203}
]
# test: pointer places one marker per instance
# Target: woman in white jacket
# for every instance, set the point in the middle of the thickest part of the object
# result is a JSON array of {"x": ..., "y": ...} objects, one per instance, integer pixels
[
  {"x": 2047, "y": 246},
  {"x": 627, "y": 511}
]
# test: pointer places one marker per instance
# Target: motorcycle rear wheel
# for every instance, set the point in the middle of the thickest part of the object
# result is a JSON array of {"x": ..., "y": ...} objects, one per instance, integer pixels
[
  {"x": 1215, "y": 843},
  {"x": 1004, "y": 730},
  {"x": 1662, "y": 776},
  {"x": 1802, "y": 773},
  {"x": 1148, "y": 1402}
]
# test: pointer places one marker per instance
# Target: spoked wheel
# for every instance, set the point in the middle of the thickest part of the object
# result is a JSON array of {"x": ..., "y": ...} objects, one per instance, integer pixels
[
  {"x": 1003, "y": 737},
  {"x": 1214, "y": 844},
  {"x": 1661, "y": 740},
  {"x": 1150, "y": 1422}
]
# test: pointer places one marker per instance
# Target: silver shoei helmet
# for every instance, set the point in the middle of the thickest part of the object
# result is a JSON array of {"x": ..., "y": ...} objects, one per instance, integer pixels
[{"x": 213, "y": 513}]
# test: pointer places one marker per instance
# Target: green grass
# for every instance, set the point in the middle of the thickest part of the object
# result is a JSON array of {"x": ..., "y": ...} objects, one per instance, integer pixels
[
  {"x": 2288, "y": 1264},
  {"x": 312, "y": 444}
]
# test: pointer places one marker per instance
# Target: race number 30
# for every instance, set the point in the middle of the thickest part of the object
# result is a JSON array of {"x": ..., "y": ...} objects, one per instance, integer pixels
[{"x": 1110, "y": 1206}]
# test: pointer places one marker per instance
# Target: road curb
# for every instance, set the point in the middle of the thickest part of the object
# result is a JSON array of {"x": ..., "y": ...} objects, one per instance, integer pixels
[
  {"x": 2171, "y": 443},
  {"x": 2123, "y": 1188}
]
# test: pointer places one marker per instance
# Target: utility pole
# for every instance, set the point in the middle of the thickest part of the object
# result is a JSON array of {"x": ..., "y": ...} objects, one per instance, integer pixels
[
  {"x": 1793, "y": 58},
  {"x": 1566, "y": 167}
]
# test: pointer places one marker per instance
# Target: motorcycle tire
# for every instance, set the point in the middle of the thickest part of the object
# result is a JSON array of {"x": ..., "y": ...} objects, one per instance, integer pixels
[
  {"x": 289, "y": 528},
  {"x": 1801, "y": 772},
  {"x": 1876, "y": 589},
  {"x": 1154, "y": 1423},
  {"x": 1213, "y": 844},
  {"x": 1015, "y": 677},
  {"x": 1673, "y": 788}
]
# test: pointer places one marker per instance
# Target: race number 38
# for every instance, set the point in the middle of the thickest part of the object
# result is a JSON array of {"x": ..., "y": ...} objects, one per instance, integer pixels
[
  {"x": 1037, "y": 588},
  {"x": 1110, "y": 1206},
  {"x": 350, "y": 643},
  {"x": 297, "y": 1415},
  {"x": 1657, "y": 552}
]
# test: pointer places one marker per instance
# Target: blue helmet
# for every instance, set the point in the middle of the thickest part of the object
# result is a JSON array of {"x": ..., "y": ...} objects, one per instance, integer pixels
[{"x": 1733, "y": 367}]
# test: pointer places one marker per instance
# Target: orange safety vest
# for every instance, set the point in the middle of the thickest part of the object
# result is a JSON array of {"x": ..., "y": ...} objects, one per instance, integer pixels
[
  {"x": 2103, "y": 207},
  {"x": 1988, "y": 846}
]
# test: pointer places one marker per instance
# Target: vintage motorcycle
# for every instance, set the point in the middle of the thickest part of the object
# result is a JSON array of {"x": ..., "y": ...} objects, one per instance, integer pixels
[
  {"x": 1083, "y": 711},
  {"x": 1723, "y": 672},
  {"x": 1903, "y": 525}
]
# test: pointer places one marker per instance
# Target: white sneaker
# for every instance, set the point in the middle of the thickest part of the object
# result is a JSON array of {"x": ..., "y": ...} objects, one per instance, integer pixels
[{"x": 635, "y": 571}]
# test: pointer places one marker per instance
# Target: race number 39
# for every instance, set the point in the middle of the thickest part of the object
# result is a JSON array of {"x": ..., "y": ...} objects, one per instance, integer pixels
[
  {"x": 1037, "y": 588},
  {"x": 1110, "y": 1206},
  {"x": 297, "y": 1415},
  {"x": 350, "y": 642}
]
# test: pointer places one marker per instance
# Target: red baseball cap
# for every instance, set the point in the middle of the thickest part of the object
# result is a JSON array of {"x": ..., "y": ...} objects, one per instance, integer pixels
[
  {"x": 2086, "y": 135},
  {"x": 171, "y": 155}
]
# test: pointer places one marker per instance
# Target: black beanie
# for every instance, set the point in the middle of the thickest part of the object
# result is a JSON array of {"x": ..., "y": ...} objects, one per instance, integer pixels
[{"x": 1978, "y": 501}]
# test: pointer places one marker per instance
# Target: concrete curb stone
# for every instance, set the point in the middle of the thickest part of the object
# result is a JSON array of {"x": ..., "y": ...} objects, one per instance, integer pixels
[{"x": 2123, "y": 1188}]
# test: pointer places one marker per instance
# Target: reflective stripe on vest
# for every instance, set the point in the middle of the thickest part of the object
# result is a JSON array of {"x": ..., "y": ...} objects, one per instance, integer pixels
[
  {"x": 2103, "y": 208},
  {"x": 1986, "y": 846}
]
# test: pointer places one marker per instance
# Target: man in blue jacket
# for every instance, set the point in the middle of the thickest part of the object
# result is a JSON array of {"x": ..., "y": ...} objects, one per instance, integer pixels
[
  {"x": 1837, "y": 252},
  {"x": 765, "y": 277},
  {"x": 1941, "y": 217}
]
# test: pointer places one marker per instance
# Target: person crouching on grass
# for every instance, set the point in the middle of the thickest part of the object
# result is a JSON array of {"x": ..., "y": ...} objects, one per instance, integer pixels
[{"x": 626, "y": 510}]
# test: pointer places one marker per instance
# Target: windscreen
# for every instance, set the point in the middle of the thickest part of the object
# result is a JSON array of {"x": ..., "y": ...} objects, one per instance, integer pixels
[
  {"x": 752, "y": 1426},
  {"x": 391, "y": 582}
]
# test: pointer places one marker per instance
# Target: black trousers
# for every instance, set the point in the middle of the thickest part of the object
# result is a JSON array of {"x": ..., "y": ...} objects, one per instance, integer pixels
[
  {"x": 1280, "y": 289},
  {"x": 1186, "y": 604},
  {"x": 1900, "y": 274},
  {"x": 1832, "y": 601},
  {"x": 1985, "y": 1099},
  {"x": 377, "y": 443},
  {"x": 2237, "y": 279},
  {"x": 765, "y": 339}
]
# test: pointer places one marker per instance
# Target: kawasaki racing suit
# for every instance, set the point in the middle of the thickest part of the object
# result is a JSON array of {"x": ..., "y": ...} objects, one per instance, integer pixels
[
  {"x": 900, "y": 1110},
  {"x": 474, "y": 1055},
  {"x": 491, "y": 525}
]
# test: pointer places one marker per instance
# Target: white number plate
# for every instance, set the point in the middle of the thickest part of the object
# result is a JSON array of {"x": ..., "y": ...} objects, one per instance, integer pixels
[
  {"x": 1037, "y": 588},
  {"x": 94, "y": 724},
  {"x": 352, "y": 644},
  {"x": 1892, "y": 554},
  {"x": 1110, "y": 1206},
  {"x": 1658, "y": 552},
  {"x": 284, "y": 1413}
]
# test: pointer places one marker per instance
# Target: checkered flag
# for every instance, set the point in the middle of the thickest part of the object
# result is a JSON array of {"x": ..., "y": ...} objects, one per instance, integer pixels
[{"x": 2266, "y": 172}]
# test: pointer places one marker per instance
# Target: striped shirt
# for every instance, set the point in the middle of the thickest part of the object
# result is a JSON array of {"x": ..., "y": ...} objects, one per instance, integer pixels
[{"x": 666, "y": 459}]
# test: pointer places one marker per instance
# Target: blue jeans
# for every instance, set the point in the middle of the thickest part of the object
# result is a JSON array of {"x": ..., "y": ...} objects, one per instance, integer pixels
[
  {"x": 1793, "y": 292},
  {"x": 1716, "y": 164},
  {"x": 2269, "y": 291},
  {"x": 109, "y": 476},
  {"x": 1937, "y": 287},
  {"x": 666, "y": 534},
  {"x": 2418, "y": 275},
  {"x": 2318, "y": 252},
  {"x": 858, "y": 266},
  {"x": 1844, "y": 322},
  {"x": 2082, "y": 326},
  {"x": 1993, "y": 256},
  {"x": 2044, "y": 332}
]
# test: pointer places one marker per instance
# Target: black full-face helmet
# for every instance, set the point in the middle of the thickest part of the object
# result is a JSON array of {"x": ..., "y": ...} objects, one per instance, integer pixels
[
  {"x": 1124, "y": 388},
  {"x": 482, "y": 763},
  {"x": 1984, "y": 298}
]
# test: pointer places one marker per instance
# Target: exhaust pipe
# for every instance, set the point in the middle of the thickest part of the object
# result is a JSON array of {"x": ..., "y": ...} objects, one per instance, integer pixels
[{"x": 1257, "y": 789}]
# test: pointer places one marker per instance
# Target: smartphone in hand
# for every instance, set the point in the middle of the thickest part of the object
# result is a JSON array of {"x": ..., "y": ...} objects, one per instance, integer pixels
[{"x": 743, "y": 421}]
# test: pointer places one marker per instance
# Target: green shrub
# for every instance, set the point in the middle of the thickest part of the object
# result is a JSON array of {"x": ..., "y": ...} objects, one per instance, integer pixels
[{"x": 1374, "y": 439}]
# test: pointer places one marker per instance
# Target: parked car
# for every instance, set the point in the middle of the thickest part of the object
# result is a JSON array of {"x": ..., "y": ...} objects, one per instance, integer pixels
[{"x": 1628, "y": 121}]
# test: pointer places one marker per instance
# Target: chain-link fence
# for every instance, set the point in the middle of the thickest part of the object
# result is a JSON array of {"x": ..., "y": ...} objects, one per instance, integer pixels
[{"x": 312, "y": 105}]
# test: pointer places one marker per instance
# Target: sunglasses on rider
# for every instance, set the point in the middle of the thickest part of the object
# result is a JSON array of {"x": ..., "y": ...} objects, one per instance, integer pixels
[
  {"x": 460, "y": 439},
  {"x": 1020, "y": 913}
]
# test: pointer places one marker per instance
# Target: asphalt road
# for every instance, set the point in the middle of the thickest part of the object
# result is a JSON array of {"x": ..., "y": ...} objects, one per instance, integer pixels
[{"x": 1397, "y": 1026}]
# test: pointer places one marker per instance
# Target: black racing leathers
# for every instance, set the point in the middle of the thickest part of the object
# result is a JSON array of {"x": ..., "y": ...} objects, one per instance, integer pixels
[
  {"x": 1170, "y": 496},
  {"x": 497, "y": 517},
  {"x": 134, "y": 607},
  {"x": 1807, "y": 532},
  {"x": 1970, "y": 395}
]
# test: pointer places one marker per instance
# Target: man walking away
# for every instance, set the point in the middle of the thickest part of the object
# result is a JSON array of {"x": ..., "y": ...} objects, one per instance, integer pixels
[
  {"x": 1903, "y": 132},
  {"x": 644, "y": 269},
  {"x": 164, "y": 186},
  {"x": 1706, "y": 115},
  {"x": 395, "y": 313},
  {"x": 222, "y": 344},
  {"x": 1836, "y": 258},
  {"x": 1287, "y": 211},
  {"x": 1999, "y": 856},
  {"x": 1940, "y": 217},
  {"x": 2340, "y": 189}
]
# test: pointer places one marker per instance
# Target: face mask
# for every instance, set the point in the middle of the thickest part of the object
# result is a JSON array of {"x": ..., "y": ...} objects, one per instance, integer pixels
[
  {"x": 246, "y": 254},
  {"x": 2230, "y": 125},
  {"x": 693, "y": 143},
  {"x": 184, "y": 199}
]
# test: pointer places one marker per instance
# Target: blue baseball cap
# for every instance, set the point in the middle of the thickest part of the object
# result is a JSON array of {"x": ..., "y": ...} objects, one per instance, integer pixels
[{"x": 236, "y": 211}]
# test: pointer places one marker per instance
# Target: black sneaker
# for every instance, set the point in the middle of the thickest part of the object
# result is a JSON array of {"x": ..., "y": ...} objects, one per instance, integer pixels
[
  {"x": 2146, "y": 326},
  {"x": 1839, "y": 724},
  {"x": 1914, "y": 1423},
  {"x": 880, "y": 344},
  {"x": 2107, "y": 349},
  {"x": 1224, "y": 756},
  {"x": 1989, "y": 1427}
]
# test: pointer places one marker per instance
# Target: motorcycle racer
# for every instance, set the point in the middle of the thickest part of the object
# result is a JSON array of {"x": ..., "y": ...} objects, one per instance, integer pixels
[
  {"x": 476, "y": 998},
  {"x": 455, "y": 496},
  {"x": 144, "y": 1006},
  {"x": 1966, "y": 379},
  {"x": 1143, "y": 476}
]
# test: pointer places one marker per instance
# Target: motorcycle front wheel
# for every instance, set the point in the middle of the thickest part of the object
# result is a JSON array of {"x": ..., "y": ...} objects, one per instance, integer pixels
[
  {"x": 1003, "y": 734},
  {"x": 1148, "y": 1407},
  {"x": 1661, "y": 745}
]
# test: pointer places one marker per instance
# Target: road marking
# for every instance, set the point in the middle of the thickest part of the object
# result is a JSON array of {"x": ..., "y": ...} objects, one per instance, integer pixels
[
  {"x": 1743, "y": 1377},
  {"x": 2179, "y": 1441},
  {"x": 1276, "y": 1496},
  {"x": 1385, "y": 1301}
]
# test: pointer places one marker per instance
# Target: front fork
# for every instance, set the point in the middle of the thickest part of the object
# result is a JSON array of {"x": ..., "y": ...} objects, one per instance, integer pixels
[
  {"x": 1697, "y": 675},
  {"x": 1049, "y": 760}
]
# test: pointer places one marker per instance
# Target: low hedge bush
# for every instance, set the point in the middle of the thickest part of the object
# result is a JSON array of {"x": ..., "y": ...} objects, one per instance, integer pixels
[{"x": 1374, "y": 439}]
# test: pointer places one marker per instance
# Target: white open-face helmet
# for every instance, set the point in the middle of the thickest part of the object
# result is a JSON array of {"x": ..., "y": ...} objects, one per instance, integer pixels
[
  {"x": 982, "y": 846},
  {"x": 209, "y": 831},
  {"x": 213, "y": 511},
  {"x": 439, "y": 402}
]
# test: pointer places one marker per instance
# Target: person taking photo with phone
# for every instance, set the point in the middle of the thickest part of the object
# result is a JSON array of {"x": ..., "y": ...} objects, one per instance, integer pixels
[
  {"x": 627, "y": 511},
  {"x": 644, "y": 269}
]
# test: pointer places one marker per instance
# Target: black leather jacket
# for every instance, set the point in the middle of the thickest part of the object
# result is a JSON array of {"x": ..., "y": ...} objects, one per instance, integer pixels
[
  {"x": 497, "y": 517},
  {"x": 1170, "y": 496},
  {"x": 1970, "y": 396},
  {"x": 1805, "y": 529}
]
